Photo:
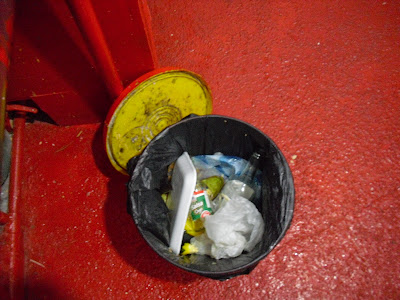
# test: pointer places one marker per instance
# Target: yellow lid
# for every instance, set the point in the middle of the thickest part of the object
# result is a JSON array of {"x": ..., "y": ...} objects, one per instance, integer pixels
[{"x": 150, "y": 104}]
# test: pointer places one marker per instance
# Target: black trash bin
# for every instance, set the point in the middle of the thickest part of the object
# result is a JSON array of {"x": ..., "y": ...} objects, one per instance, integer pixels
[{"x": 206, "y": 135}]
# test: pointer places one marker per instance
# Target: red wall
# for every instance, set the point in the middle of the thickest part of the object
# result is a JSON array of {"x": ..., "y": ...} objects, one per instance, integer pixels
[{"x": 51, "y": 64}]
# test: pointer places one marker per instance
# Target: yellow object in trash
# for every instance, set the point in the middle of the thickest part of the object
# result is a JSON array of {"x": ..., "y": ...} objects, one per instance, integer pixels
[
  {"x": 194, "y": 228},
  {"x": 214, "y": 185},
  {"x": 188, "y": 248},
  {"x": 150, "y": 104},
  {"x": 206, "y": 190}
]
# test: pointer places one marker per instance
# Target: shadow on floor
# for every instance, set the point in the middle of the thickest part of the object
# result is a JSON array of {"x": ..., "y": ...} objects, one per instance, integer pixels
[
  {"x": 34, "y": 289},
  {"x": 41, "y": 290},
  {"x": 121, "y": 229}
]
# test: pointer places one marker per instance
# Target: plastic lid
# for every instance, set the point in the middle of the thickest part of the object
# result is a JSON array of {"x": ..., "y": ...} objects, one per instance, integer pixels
[{"x": 147, "y": 106}]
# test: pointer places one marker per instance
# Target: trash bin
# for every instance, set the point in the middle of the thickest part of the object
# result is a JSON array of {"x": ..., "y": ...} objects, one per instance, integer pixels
[{"x": 206, "y": 135}]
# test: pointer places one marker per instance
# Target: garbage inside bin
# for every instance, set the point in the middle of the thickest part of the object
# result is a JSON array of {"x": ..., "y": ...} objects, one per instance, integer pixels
[
  {"x": 212, "y": 171},
  {"x": 205, "y": 192},
  {"x": 221, "y": 217},
  {"x": 235, "y": 227},
  {"x": 242, "y": 185},
  {"x": 218, "y": 210},
  {"x": 206, "y": 135},
  {"x": 183, "y": 185}
]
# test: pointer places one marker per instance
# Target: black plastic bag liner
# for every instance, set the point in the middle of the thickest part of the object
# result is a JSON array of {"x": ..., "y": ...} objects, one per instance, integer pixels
[{"x": 207, "y": 135}]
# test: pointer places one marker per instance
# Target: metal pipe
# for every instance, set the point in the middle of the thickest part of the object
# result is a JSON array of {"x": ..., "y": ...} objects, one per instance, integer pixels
[
  {"x": 16, "y": 242},
  {"x": 89, "y": 26},
  {"x": 2, "y": 119},
  {"x": 6, "y": 23}
]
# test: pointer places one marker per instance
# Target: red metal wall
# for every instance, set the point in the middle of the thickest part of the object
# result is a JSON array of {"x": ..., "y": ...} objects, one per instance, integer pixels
[{"x": 51, "y": 64}]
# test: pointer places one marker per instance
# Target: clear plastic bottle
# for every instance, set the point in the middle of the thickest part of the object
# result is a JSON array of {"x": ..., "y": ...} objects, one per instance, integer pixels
[{"x": 241, "y": 185}]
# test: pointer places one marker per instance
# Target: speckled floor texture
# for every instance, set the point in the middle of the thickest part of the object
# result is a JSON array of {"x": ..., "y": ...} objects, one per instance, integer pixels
[{"x": 322, "y": 79}]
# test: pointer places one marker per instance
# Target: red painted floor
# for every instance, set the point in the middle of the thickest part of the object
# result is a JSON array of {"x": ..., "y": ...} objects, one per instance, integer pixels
[{"x": 322, "y": 80}]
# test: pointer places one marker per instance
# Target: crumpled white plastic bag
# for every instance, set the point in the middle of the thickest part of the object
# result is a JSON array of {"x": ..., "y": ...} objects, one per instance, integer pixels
[{"x": 236, "y": 227}]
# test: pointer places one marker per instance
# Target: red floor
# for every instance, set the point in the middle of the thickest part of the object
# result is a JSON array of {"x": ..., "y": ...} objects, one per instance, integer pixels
[{"x": 322, "y": 80}]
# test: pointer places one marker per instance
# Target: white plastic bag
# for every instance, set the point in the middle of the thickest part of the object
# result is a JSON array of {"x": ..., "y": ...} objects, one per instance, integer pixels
[{"x": 236, "y": 227}]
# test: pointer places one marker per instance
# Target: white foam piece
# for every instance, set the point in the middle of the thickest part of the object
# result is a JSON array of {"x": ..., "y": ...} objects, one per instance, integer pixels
[{"x": 183, "y": 184}]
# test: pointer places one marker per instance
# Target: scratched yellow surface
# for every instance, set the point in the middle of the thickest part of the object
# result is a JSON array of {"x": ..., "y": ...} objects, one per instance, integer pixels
[{"x": 156, "y": 103}]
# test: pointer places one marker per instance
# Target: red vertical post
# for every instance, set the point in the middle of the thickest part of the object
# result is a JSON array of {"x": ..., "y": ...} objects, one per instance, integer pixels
[
  {"x": 16, "y": 243},
  {"x": 16, "y": 274},
  {"x": 90, "y": 28}
]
